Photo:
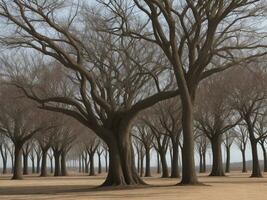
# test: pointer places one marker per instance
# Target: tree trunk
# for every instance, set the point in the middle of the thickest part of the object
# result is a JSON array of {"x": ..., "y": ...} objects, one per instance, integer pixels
[
  {"x": 63, "y": 164},
  {"x": 217, "y": 165},
  {"x": 264, "y": 156},
  {"x": 92, "y": 164},
  {"x": 51, "y": 165},
  {"x": 80, "y": 164},
  {"x": 33, "y": 165},
  {"x": 148, "y": 171},
  {"x": 141, "y": 165},
  {"x": 164, "y": 166},
  {"x": 200, "y": 161},
  {"x": 175, "y": 165},
  {"x": 189, "y": 176},
  {"x": 256, "y": 172},
  {"x": 38, "y": 164},
  {"x": 25, "y": 164},
  {"x": 99, "y": 164},
  {"x": 106, "y": 161},
  {"x": 43, "y": 164},
  {"x": 17, "y": 174},
  {"x": 158, "y": 164},
  {"x": 57, "y": 163},
  {"x": 227, "y": 164},
  {"x": 122, "y": 170},
  {"x": 204, "y": 161},
  {"x": 244, "y": 165},
  {"x": 138, "y": 162},
  {"x": 4, "y": 166}
]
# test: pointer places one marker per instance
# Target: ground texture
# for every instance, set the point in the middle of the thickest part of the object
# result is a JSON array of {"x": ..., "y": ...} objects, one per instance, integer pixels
[{"x": 232, "y": 187}]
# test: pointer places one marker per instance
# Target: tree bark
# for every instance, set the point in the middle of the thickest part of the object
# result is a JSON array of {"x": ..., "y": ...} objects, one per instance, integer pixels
[
  {"x": 99, "y": 164},
  {"x": 204, "y": 161},
  {"x": 33, "y": 165},
  {"x": 43, "y": 164},
  {"x": 164, "y": 166},
  {"x": 92, "y": 164},
  {"x": 148, "y": 170},
  {"x": 57, "y": 171},
  {"x": 141, "y": 164},
  {"x": 51, "y": 165},
  {"x": 227, "y": 164},
  {"x": 256, "y": 172},
  {"x": 175, "y": 165},
  {"x": 63, "y": 164},
  {"x": 189, "y": 176},
  {"x": 217, "y": 165},
  {"x": 200, "y": 161},
  {"x": 38, "y": 157},
  {"x": 17, "y": 174},
  {"x": 80, "y": 164},
  {"x": 122, "y": 169},
  {"x": 4, "y": 166},
  {"x": 244, "y": 164},
  {"x": 25, "y": 164},
  {"x": 158, "y": 164}
]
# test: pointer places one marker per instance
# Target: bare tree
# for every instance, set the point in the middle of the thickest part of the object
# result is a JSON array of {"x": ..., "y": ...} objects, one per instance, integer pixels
[
  {"x": 192, "y": 35},
  {"x": 241, "y": 142},
  {"x": 248, "y": 99},
  {"x": 4, "y": 149},
  {"x": 202, "y": 146},
  {"x": 111, "y": 76},
  {"x": 229, "y": 138}
]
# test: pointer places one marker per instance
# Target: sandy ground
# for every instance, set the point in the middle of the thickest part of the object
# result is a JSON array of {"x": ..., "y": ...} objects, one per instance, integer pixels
[{"x": 233, "y": 187}]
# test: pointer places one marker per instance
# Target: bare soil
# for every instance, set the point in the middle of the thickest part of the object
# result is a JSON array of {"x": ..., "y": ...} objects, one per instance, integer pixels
[{"x": 235, "y": 186}]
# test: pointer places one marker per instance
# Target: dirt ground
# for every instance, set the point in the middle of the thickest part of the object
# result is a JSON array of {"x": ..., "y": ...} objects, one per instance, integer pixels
[{"x": 233, "y": 187}]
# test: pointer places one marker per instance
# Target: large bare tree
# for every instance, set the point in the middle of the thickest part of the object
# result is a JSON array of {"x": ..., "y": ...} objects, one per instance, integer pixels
[
  {"x": 111, "y": 74},
  {"x": 193, "y": 35}
]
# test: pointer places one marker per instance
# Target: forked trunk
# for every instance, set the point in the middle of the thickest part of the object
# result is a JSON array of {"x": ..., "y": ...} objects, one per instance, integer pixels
[
  {"x": 122, "y": 169},
  {"x": 217, "y": 165},
  {"x": 17, "y": 174}
]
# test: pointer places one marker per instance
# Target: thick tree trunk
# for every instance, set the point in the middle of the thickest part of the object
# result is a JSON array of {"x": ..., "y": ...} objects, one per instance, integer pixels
[
  {"x": 227, "y": 164},
  {"x": 244, "y": 164},
  {"x": 122, "y": 170},
  {"x": 164, "y": 166},
  {"x": 25, "y": 164},
  {"x": 175, "y": 165},
  {"x": 17, "y": 174},
  {"x": 57, "y": 163},
  {"x": 256, "y": 172},
  {"x": 92, "y": 164},
  {"x": 33, "y": 166},
  {"x": 43, "y": 164},
  {"x": 99, "y": 164},
  {"x": 189, "y": 176},
  {"x": 158, "y": 164},
  {"x": 264, "y": 156},
  {"x": 217, "y": 165},
  {"x": 148, "y": 171},
  {"x": 63, "y": 164}
]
